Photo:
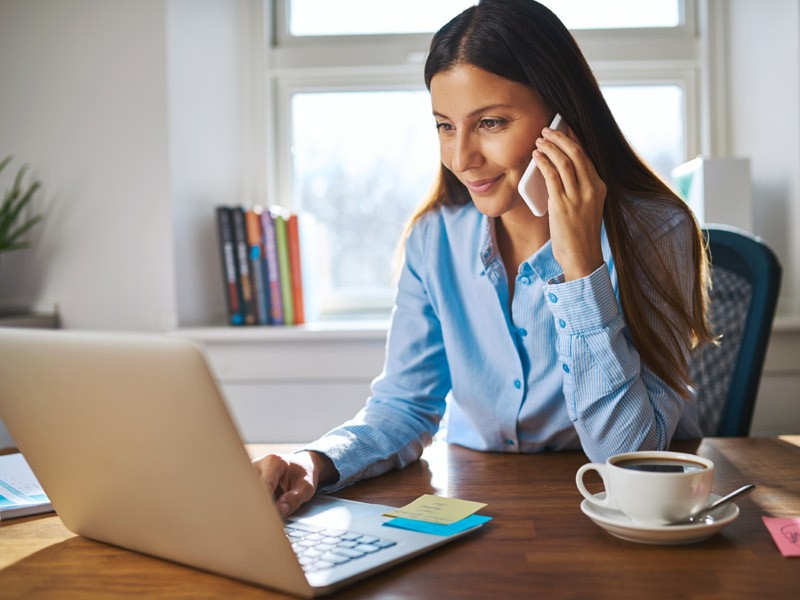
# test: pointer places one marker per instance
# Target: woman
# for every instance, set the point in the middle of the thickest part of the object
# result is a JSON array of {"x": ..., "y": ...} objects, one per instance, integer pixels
[{"x": 570, "y": 330}]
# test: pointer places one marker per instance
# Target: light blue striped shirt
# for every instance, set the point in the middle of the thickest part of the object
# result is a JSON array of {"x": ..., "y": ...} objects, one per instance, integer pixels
[{"x": 554, "y": 370}]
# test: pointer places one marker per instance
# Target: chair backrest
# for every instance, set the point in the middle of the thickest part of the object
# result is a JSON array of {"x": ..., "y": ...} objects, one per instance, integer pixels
[{"x": 746, "y": 276}]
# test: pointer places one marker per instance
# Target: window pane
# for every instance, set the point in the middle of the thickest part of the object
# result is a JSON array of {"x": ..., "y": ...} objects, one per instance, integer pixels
[
  {"x": 355, "y": 17},
  {"x": 652, "y": 118},
  {"x": 616, "y": 14},
  {"x": 362, "y": 161}
]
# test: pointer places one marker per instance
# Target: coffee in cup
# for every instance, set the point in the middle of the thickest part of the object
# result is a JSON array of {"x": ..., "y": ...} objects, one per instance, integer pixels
[{"x": 652, "y": 487}]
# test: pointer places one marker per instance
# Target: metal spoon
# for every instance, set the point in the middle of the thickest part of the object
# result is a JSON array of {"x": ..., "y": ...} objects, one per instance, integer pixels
[{"x": 702, "y": 515}]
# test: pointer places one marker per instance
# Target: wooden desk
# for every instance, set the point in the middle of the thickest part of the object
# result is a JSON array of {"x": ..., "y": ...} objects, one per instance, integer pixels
[{"x": 539, "y": 544}]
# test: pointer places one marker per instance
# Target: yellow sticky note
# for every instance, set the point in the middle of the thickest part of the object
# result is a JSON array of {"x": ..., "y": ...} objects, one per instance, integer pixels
[{"x": 435, "y": 509}]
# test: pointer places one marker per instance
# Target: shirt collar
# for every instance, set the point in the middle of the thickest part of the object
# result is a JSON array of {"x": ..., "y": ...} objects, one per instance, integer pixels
[
  {"x": 542, "y": 262},
  {"x": 487, "y": 246}
]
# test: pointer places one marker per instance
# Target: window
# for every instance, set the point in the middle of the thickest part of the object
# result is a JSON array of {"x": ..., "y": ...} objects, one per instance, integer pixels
[
  {"x": 322, "y": 17},
  {"x": 652, "y": 118},
  {"x": 362, "y": 179},
  {"x": 353, "y": 140},
  {"x": 616, "y": 14}
]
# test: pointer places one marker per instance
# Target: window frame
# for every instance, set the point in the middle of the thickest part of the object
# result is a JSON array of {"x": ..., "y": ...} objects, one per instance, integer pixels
[
  {"x": 280, "y": 36},
  {"x": 301, "y": 64}
]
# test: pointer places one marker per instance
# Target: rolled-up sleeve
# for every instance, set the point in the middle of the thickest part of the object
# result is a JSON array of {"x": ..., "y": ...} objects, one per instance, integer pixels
[
  {"x": 407, "y": 400},
  {"x": 616, "y": 403}
]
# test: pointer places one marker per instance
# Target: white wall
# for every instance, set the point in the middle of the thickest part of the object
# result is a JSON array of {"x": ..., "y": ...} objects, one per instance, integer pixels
[
  {"x": 137, "y": 116},
  {"x": 84, "y": 102},
  {"x": 764, "y": 123},
  {"x": 211, "y": 132}
]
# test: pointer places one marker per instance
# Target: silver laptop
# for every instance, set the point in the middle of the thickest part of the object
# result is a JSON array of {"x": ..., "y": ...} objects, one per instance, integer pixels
[{"x": 130, "y": 438}]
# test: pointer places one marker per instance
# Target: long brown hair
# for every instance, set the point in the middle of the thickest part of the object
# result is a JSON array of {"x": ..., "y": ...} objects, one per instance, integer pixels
[{"x": 523, "y": 41}]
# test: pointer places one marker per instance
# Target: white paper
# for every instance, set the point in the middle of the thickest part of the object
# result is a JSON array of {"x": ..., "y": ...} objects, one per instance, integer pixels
[{"x": 19, "y": 488}]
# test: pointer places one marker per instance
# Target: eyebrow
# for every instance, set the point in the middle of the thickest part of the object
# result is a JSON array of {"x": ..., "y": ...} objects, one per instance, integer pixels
[{"x": 477, "y": 111}]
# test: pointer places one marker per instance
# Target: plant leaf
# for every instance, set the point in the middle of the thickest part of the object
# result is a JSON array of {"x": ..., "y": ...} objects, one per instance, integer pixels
[
  {"x": 15, "y": 200},
  {"x": 12, "y": 247},
  {"x": 11, "y": 195},
  {"x": 15, "y": 208},
  {"x": 5, "y": 162},
  {"x": 26, "y": 224},
  {"x": 18, "y": 179},
  {"x": 22, "y": 229},
  {"x": 8, "y": 198}
]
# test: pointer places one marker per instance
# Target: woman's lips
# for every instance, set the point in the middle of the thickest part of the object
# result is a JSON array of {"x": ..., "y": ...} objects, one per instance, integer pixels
[{"x": 481, "y": 186}]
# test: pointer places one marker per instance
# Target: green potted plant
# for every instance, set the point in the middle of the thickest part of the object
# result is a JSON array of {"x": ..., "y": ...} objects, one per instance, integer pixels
[{"x": 14, "y": 223}]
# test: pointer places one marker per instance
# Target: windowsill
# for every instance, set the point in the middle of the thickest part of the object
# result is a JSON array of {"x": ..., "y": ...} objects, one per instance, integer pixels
[
  {"x": 327, "y": 330},
  {"x": 29, "y": 319},
  {"x": 351, "y": 328},
  {"x": 787, "y": 320}
]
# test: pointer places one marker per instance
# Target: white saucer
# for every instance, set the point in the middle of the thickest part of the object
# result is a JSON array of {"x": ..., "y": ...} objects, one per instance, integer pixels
[{"x": 619, "y": 525}]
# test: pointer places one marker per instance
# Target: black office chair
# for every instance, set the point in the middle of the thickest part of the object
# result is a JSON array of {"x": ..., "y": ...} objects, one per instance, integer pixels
[{"x": 746, "y": 277}]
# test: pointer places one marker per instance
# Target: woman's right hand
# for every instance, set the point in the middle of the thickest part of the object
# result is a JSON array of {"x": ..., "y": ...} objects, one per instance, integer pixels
[
  {"x": 292, "y": 479},
  {"x": 577, "y": 195}
]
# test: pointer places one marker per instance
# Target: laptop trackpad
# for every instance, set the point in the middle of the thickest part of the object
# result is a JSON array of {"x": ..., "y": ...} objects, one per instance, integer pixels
[{"x": 336, "y": 513}]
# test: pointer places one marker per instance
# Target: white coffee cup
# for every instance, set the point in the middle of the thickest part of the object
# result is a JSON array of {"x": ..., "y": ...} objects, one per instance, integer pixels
[{"x": 652, "y": 487}]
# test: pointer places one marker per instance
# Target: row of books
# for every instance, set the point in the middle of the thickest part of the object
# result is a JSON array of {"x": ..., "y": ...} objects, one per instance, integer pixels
[{"x": 262, "y": 266}]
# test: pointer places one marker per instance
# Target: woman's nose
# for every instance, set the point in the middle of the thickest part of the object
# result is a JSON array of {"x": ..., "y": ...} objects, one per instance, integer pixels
[{"x": 466, "y": 153}]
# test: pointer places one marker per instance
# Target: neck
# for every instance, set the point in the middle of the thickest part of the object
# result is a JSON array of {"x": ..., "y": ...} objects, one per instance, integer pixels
[{"x": 518, "y": 237}]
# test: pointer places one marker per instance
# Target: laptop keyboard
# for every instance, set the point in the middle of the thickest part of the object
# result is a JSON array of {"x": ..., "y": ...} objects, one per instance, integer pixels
[{"x": 318, "y": 548}]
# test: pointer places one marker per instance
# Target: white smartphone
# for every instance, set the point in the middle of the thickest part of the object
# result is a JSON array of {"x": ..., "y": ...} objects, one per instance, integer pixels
[{"x": 532, "y": 186}]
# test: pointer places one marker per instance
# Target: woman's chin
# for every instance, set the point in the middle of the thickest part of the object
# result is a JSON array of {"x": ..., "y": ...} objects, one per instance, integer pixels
[{"x": 496, "y": 207}]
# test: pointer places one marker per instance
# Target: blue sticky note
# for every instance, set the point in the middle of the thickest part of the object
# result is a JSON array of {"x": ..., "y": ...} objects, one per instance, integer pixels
[{"x": 436, "y": 529}]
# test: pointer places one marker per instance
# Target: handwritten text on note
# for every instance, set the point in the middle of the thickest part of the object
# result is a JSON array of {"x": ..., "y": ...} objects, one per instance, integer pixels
[
  {"x": 435, "y": 509},
  {"x": 786, "y": 533}
]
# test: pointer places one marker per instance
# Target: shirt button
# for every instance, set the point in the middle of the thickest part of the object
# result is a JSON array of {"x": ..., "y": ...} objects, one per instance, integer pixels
[
  {"x": 510, "y": 442},
  {"x": 517, "y": 383},
  {"x": 565, "y": 367},
  {"x": 522, "y": 331},
  {"x": 553, "y": 298},
  {"x": 562, "y": 323},
  {"x": 524, "y": 280}
]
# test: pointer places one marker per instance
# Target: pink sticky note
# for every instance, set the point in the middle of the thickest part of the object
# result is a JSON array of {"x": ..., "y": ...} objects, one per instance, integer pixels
[{"x": 786, "y": 533}]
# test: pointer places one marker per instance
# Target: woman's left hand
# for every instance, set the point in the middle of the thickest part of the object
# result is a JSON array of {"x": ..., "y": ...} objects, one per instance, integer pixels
[{"x": 575, "y": 205}]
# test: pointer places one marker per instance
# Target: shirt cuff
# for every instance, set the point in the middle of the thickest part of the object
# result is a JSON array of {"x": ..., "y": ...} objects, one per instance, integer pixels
[
  {"x": 584, "y": 304},
  {"x": 335, "y": 447}
]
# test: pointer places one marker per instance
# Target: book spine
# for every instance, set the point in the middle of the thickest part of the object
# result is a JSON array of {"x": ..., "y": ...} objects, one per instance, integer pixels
[
  {"x": 230, "y": 275},
  {"x": 270, "y": 249},
  {"x": 252, "y": 220},
  {"x": 295, "y": 266},
  {"x": 240, "y": 240},
  {"x": 283, "y": 265}
]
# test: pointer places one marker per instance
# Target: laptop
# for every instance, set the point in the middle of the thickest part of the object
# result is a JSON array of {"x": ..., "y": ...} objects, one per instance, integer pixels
[{"x": 132, "y": 442}]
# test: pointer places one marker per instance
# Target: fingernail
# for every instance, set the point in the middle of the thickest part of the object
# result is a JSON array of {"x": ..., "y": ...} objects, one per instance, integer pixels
[{"x": 284, "y": 508}]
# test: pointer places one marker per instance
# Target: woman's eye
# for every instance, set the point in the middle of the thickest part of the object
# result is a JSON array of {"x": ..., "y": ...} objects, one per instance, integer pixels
[
  {"x": 492, "y": 123},
  {"x": 442, "y": 127}
]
